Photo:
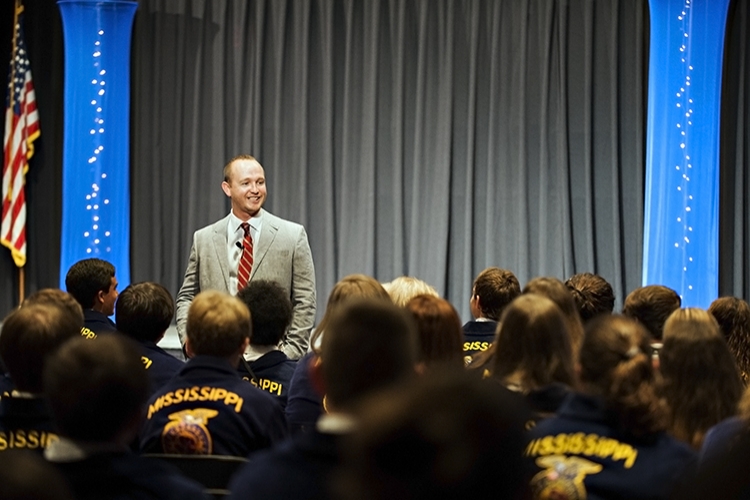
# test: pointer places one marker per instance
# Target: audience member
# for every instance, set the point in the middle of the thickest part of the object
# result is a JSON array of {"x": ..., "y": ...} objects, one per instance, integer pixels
[
  {"x": 93, "y": 284},
  {"x": 58, "y": 298},
  {"x": 29, "y": 336},
  {"x": 733, "y": 316},
  {"x": 609, "y": 440},
  {"x": 533, "y": 354},
  {"x": 207, "y": 409},
  {"x": 651, "y": 306},
  {"x": 701, "y": 385},
  {"x": 493, "y": 290},
  {"x": 592, "y": 294},
  {"x": 403, "y": 288},
  {"x": 264, "y": 364},
  {"x": 557, "y": 292},
  {"x": 144, "y": 312},
  {"x": 96, "y": 391},
  {"x": 305, "y": 404},
  {"x": 369, "y": 345},
  {"x": 45, "y": 296},
  {"x": 447, "y": 436},
  {"x": 439, "y": 329}
]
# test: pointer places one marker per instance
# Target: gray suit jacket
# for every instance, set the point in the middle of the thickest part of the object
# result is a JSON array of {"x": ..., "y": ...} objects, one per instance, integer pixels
[{"x": 282, "y": 255}]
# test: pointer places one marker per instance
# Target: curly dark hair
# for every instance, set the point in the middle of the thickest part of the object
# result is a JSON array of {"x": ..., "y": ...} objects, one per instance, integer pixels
[
  {"x": 270, "y": 308},
  {"x": 733, "y": 315}
]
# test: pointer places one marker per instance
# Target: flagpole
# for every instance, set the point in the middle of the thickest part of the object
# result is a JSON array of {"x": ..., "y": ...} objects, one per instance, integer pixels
[{"x": 21, "y": 285}]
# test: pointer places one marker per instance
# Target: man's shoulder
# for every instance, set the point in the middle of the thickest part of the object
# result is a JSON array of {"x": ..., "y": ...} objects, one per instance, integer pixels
[
  {"x": 160, "y": 365},
  {"x": 211, "y": 228},
  {"x": 96, "y": 322},
  {"x": 482, "y": 327},
  {"x": 280, "y": 223}
]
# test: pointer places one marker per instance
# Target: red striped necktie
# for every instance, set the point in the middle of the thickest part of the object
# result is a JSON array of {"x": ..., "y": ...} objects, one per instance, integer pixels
[{"x": 246, "y": 259}]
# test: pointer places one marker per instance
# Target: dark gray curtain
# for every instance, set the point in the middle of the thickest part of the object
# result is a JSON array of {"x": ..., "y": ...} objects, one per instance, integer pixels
[
  {"x": 431, "y": 138},
  {"x": 734, "y": 220},
  {"x": 44, "y": 42}
]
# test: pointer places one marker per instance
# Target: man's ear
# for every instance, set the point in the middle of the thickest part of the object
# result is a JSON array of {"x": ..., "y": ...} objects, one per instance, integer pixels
[
  {"x": 225, "y": 188},
  {"x": 189, "y": 349},
  {"x": 315, "y": 369}
]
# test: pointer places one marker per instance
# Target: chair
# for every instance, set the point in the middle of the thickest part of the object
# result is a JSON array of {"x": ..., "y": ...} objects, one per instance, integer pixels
[{"x": 212, "y": 471}]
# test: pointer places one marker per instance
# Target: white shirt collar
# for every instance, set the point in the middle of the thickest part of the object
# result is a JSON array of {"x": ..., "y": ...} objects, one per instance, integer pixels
[
  {"x": 235, "y": 222},
  {"x": 253, "y": 352}
]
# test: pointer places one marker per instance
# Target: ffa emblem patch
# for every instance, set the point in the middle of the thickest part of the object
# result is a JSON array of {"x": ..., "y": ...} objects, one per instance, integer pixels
[
  {"x": 562, "y": 478},
  {"x": 186, "y": 432}
]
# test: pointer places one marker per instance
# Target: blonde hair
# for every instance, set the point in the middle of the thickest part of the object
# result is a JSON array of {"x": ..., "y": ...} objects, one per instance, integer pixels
[
  {"x": 405, "y": 288},
  {"x": 702, "y": 384},
  {"x": 217, "y": 324}
]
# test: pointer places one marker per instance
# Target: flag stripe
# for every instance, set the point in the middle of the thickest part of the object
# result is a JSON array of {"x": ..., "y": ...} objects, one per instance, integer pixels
[{"x": 21, "y": 130}]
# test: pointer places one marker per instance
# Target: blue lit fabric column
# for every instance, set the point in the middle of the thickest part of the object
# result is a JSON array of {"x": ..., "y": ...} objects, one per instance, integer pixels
[
  {"x": 681, "y": 233},
  {"x": 96, "y": 163}
]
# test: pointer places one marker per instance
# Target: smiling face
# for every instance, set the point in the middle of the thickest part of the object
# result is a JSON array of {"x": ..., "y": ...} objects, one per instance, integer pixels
[{"x": 246, "y": 187}]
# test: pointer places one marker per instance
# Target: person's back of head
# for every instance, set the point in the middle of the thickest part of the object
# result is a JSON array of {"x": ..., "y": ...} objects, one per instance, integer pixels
[
  {"x": 592, "y": 294},
  {"x": 439, "y": 329},
  {"x": 557, "y": 292},
  {"x": 615, "y": 364},
  {"x": 651, "y": 305},
  {"x": 533, "y": 346},
  {"x": 349, "y": 287},
  {"x": 701, "y": 381},
  {"x": 448, "y": 436},
  {"x": 56, "y": 297},
  {"x": 369, "y": 345},
  {"x": 97, "y": 390},
  {"x": 144, "y": 311},
  {"x": 217, "y": 325},
  {"x": 493, "y": 290},
  {"x": 30, "y": 335},
  {"x": 404, "y": 288},
  {"x": 271, "y": 311},
  {"x": 733, "y": 316},
  {"x": 86, "y": 278}
]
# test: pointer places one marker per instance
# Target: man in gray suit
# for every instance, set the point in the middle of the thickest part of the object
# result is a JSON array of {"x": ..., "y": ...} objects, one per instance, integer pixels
[{"x": 250, "y": 243}]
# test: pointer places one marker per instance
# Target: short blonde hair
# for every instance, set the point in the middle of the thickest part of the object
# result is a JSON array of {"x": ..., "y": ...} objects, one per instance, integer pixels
[
  {"x": 405, "y": 288},
  {"x": 217, "y": 324}
]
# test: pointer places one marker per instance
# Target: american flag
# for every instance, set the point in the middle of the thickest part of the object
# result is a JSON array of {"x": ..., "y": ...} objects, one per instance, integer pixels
[{"x": 21, "y": 130}]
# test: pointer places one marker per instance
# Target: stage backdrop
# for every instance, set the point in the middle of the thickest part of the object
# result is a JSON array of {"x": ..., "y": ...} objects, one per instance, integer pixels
[{"x": 431, "y": 137}]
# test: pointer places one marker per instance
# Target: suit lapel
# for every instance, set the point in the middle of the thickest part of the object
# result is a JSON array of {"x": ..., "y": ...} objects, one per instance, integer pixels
[
  {"x": 267, "y": 234},
  {"x": 219, "y": 239}
]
